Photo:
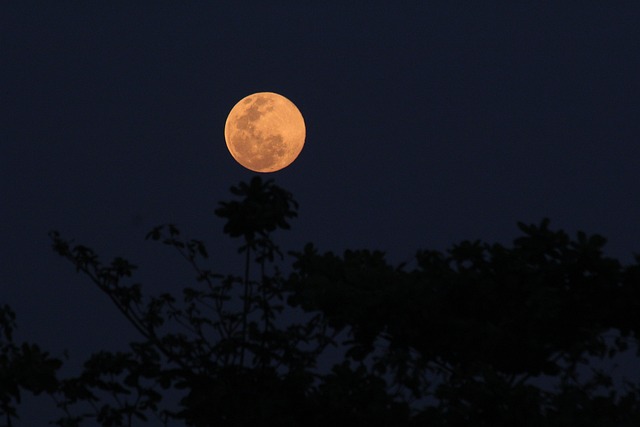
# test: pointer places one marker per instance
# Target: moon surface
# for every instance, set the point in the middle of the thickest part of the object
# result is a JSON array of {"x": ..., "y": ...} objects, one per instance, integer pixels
[{"x": 265, "y": 132}]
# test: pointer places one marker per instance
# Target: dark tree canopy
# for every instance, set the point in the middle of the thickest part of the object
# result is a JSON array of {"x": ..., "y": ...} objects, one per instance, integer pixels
[{"x": 480, "y": 335}]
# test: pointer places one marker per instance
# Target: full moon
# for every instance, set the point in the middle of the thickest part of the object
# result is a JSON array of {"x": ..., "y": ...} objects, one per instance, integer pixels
[{"x": 265, "y": 132}]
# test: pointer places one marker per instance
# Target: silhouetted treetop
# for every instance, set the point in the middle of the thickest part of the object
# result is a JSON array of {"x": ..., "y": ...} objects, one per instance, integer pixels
[
  {"x": 264, "y": 207},
  {"x": 479, "y": 335}
]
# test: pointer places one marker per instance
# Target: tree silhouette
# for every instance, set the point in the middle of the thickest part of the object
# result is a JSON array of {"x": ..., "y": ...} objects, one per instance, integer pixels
[
  {"x": 475, "y": 326},
  {"x": 480, "y": 335},
  {"x": 22, "y": 367}
]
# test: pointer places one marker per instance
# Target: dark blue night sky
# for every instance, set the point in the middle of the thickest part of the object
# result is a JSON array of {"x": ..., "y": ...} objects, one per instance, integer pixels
[{"x": 427, "y": 124}]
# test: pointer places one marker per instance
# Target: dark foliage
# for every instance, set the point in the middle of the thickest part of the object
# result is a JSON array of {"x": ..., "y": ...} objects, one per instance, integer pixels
[
  {"x": 23, "y": 367},
  {"x": 481, "y": 335}
]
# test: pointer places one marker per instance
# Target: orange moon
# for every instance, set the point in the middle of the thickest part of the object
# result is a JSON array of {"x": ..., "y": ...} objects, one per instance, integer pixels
[{"x": 265, "y": 132}]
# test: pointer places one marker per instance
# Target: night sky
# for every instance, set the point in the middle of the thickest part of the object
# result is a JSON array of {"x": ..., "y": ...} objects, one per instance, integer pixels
[{"x": 427, "y": 124}]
